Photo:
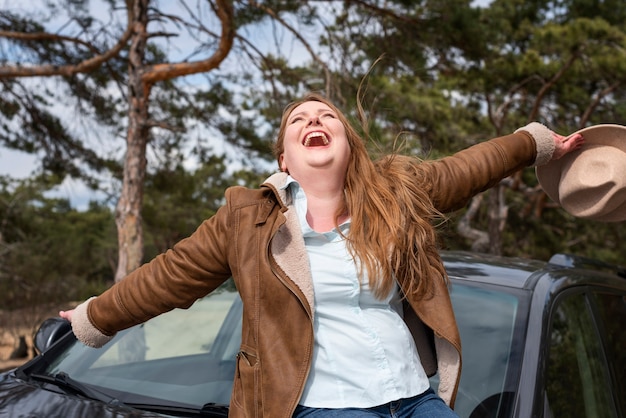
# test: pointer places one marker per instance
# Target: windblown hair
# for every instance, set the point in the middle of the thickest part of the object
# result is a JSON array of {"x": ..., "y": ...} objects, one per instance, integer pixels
[{"x": 392, "y": 233}]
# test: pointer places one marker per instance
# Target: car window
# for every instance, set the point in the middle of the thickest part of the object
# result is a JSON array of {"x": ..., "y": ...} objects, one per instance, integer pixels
[
  {"x": 185, "y": 356},
  {"x": 179, "y": 333},
  {"x": 612, "y": 312},
  {"x": 578, "y": 383},
  {"x": 491, "y": 321}
]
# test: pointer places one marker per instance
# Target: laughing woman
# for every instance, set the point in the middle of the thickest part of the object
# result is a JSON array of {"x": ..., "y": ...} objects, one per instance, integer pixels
[{"x": 346, "y": 304}]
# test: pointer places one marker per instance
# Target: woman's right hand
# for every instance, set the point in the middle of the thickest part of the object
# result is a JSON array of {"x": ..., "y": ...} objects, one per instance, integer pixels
[{"x": 67, "y": 314}]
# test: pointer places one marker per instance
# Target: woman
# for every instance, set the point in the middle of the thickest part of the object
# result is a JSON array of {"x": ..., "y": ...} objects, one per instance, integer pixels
[{"x": 346, "y": 306}]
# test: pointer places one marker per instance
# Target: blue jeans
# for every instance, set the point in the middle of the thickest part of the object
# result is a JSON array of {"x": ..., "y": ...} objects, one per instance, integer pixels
[{"x": 428, "y": 404}]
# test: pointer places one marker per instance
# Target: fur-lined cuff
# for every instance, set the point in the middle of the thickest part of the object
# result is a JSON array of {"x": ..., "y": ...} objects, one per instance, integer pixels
[
  {"x": 84, "y": 329},
  {"x": 449, "y": 369},
  {"x": 543, "y": 140}
]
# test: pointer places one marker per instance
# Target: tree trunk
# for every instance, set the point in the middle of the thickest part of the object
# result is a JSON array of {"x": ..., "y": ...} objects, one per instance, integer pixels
[
  {"x": 479, "y": 239},
  {"x": 497, "y": 215},
  {"x": 128, "y": 210}
]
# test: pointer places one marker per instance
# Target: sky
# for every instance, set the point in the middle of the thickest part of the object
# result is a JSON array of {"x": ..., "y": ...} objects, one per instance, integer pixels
[{"x": 15, "y": 164}]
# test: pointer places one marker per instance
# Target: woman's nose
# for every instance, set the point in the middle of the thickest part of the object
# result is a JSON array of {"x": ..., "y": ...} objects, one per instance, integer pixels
[{"x": 314, "y": 120}]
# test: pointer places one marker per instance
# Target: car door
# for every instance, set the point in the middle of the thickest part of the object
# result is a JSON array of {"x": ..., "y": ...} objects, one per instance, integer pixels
[
  {"x": 580, "y": 377},
  {"x": 610, "y": 312}
]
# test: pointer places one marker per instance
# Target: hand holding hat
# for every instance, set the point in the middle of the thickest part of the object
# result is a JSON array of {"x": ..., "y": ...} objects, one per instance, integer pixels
[
  {"x": 566, "y": 144},
  {"x": 589, "y": 182}
]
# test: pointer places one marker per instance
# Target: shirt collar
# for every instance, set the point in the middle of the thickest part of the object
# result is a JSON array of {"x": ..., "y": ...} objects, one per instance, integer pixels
[
  {"x": 288, "y": 183},
  {"x": 300, "y": 203}
]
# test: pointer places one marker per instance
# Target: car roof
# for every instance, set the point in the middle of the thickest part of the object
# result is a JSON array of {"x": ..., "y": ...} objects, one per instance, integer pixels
[
  {"x": 523, "y": 273},
  {"x": 486, "y": 268}
]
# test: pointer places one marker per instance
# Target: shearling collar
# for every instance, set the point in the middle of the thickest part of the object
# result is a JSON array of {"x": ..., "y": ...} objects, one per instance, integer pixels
[
  {"x": 277, "y": 182},
  {"x": 287, "y": 246}
]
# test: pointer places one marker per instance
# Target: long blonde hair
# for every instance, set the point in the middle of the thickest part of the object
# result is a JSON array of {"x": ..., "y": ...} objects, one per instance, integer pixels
[{"x": 391, "y": 233}]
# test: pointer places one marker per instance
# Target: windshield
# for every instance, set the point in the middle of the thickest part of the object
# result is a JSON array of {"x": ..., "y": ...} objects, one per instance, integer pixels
[
  {"x": 492, "y": 324},
  {"x": 187, "y": 357},
  {"x": 181, "y": 357}
]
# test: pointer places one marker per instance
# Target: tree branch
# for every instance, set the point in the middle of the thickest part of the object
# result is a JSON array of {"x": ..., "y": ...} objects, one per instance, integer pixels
[
  {"x": 544, "y": 89},
  {"x": 151, "y": 123},
  {"x": 43, "y": 36},
  {"x": 384, "y": 12},
  {"x": 596, "y": 102},
  {"x": 160, "y": 72},
  {"x": 12, "y": 71},
  {"x": 498, "y": 116},
  {"x": 294, "y": 32}
]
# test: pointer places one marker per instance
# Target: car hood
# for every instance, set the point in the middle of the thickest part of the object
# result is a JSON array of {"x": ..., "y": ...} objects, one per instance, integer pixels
[{"x": 19, "y": 398}]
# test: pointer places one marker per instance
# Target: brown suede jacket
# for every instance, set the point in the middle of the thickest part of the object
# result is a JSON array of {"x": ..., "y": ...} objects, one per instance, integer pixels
[{"x": 255, "y": 238}]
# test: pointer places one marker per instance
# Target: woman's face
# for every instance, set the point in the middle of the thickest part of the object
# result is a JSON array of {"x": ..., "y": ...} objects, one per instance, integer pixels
[{"x": 315, "y": 139}]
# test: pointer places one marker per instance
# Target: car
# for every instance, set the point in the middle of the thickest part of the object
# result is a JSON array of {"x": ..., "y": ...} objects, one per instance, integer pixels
[{"x": 540, "y": 339}]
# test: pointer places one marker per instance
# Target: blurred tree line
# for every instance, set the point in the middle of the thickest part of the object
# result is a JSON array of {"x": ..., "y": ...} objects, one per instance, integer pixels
[{"x": 124, "y": 99}]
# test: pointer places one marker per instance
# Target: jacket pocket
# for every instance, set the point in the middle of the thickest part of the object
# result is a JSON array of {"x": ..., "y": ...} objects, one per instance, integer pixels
[{"x": 246, "y": 388}]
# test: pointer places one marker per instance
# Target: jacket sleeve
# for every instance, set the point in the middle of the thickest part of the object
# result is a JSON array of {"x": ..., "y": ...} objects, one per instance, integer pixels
[
  {"x": 175, "y": 279},
  {"x": 457, "y": 178}
]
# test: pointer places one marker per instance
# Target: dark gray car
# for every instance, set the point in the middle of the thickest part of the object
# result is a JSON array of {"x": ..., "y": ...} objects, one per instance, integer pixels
[{"x": 539, "y": 340}]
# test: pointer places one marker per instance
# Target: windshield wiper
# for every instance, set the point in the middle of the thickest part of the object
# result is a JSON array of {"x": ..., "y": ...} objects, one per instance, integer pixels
[
  {"x": 64, "y": 381},
  {"x": 210, "y": 409}
]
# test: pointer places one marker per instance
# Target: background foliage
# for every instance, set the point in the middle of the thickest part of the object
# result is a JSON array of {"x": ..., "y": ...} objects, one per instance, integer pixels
[{"x": 448, "y": 74}]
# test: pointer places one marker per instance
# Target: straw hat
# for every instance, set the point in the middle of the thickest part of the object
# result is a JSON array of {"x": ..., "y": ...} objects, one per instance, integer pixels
[{"x": 590, "y": 182}]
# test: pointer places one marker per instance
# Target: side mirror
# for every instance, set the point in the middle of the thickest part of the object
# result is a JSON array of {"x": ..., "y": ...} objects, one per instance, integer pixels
[{"x": 50, "y": 331}]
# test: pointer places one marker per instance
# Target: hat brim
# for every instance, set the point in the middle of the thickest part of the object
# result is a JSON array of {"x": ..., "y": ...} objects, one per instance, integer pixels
[{"x": 610, "y": 135}]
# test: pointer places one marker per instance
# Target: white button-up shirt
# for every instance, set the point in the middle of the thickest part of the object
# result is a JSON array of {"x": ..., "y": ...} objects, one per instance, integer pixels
[{"x": 364, "y": 354}]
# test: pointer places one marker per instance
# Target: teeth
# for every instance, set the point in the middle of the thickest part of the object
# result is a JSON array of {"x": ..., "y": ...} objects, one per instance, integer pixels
[{"x": 307, "y": 139}]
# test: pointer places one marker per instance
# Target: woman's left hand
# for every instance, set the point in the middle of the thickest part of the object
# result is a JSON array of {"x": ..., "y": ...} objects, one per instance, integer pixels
[{"x": 566, "y": 144}]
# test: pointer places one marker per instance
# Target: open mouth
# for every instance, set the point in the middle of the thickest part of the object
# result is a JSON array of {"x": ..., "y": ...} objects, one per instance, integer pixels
[{"x": 315, "y": 139}]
